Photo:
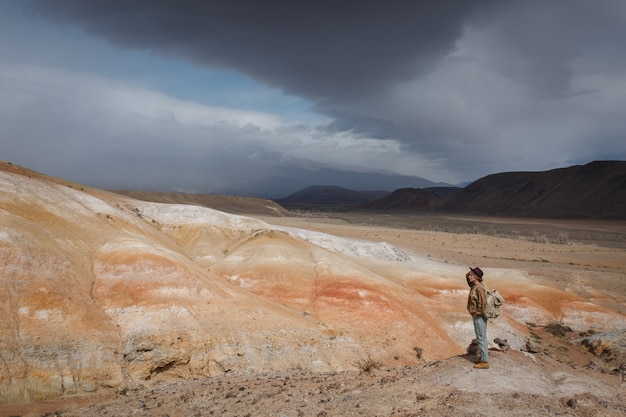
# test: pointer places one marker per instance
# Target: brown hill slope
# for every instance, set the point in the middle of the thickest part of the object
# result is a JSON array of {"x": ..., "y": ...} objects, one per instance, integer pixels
[
  {"x": 406, "y": 199},
  {"x": 226, "y": 203},
  {"x": 328, "y": 197},
  {"x": 597, "y": 190}
]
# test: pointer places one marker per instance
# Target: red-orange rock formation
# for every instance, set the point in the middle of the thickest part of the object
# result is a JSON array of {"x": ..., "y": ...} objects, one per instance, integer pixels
[{"x": 99, "y": 290}]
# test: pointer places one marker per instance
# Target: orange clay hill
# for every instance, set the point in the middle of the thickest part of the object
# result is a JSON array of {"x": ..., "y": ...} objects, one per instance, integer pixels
[{"x": 103, "y": 291}]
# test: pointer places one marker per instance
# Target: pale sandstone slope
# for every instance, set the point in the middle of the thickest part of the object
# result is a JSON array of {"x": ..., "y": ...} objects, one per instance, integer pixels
[{"x": 99, "y": 290}]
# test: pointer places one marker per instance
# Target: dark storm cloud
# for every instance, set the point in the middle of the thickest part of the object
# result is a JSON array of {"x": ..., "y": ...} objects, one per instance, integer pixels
[
  {"x": 539, "y": 42},
  {"x": 329, "y": 51},
  {"x": 471, "y": 87}
]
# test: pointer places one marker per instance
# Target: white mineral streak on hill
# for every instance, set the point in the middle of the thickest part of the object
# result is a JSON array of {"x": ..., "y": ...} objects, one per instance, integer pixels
[{"x": 99, "y": 290}]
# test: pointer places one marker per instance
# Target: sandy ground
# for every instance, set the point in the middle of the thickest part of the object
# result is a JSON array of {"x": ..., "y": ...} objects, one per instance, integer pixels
[
  {"x": 581, "y": 256},
  {"x": 517, "y": 384}
]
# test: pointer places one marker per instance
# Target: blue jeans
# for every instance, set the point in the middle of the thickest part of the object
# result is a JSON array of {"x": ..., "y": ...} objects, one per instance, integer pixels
[{"x": 480, "y": 328}]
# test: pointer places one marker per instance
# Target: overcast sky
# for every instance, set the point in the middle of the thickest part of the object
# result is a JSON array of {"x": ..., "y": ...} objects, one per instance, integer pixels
[{"x": 188, "y": 94}]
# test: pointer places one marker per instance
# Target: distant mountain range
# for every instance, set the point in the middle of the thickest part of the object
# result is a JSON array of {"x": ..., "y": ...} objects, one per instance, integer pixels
[
  {"x": 329, "y": 197},
  {"x": 594, "y": 190},
  {"x": 281, "y": 176},
  {"x": 597, "y": 189},
  {"x": 413, "y": 199}
]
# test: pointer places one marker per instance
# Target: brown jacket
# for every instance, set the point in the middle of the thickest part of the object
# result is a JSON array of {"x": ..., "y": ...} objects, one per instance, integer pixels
[{"x": 477, "y": 300}]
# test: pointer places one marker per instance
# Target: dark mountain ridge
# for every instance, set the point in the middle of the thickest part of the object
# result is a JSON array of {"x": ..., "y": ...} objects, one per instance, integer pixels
[
  {"x": 597, "y": 189},
  {"x": 594, "y": 190},
  {"x": 408, "y": 199},
  {"x": 329, "y": 196}
]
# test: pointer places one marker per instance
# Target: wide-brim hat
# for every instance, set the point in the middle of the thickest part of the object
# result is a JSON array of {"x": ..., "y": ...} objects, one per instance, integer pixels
[{"x": 479, "y": 272}]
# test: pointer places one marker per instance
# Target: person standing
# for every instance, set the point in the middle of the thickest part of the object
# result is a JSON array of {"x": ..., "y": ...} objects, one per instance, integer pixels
[{"x": 476, "y": 303}]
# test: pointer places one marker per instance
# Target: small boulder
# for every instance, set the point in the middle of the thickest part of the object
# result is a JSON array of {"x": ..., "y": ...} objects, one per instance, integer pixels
[
  {"x": 503, "y": 344},
  {"x": 473, "y": 348},
  {"x": 583, "y": 400}
]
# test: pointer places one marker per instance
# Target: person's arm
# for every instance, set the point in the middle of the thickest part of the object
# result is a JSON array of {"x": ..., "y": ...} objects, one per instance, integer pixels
[{"x": 481, "y": 300}]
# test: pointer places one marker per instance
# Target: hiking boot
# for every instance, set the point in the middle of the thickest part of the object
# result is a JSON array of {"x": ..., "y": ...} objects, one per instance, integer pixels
[{"x": 482, "y": 365}]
